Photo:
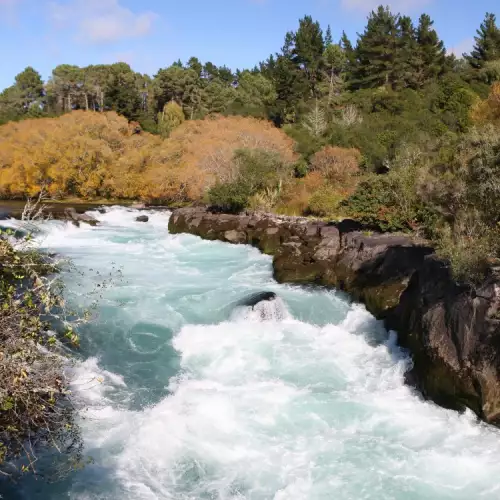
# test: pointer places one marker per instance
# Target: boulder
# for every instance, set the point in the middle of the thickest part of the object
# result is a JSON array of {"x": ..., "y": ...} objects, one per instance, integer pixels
[{"x": 142, "y": 218}]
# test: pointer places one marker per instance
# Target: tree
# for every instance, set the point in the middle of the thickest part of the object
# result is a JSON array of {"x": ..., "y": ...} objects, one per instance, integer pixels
[
  {"x": 334, "y": 64},
  {"x": 30, "y": 87},
  {"x": 487, "y": 46},
  {"x": 408, "y": 63},
  {"x": 308, "y": 50},
  {"x": 170, "y": 118},
  {"x": 328, "y": 36},
  {"x": 431, "y": 51},
  {"x": 254, "y": 95},
  {"x": 123, "y": 96},
  {"x": 377, "y": 51},
  {"x": 195, "y": 64},
  {"x": 350, "y": 56},
  {"x": 291, "y": 87},
  {"x": 315, "y": 121},
  {"x": 180, "y": 85}
]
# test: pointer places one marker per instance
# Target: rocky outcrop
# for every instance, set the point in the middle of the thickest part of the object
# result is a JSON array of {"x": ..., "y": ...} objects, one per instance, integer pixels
[
  {"x": 452, "y": 331},
  {"x": 142, "y": 218}
]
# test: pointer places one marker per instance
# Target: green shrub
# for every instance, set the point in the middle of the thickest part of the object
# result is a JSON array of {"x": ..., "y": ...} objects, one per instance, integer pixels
[
  {"x": 374, "y": 203},
  {"x": 230, "y": 196},
  {"x": 301, "y": 168},
  {"x": 257, "y": 171},
  {"x": 325, "y": 202}
]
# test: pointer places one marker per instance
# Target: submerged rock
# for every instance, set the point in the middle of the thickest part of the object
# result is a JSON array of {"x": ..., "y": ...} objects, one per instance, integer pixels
[
  {"x": 142, "y": 218},
  {"x": 73, "y": 215},
  {"x": 452, "y": 331}
]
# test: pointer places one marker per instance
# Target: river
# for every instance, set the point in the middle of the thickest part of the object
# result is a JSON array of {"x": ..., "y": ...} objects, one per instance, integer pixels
[{"x": 187, "y": 396}]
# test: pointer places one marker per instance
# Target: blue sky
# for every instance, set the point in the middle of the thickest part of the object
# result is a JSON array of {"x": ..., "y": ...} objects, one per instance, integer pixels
[{"x": 150, "y": 34}]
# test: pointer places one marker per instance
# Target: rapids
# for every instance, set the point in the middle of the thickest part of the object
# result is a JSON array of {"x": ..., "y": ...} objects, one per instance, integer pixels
[{"x": 187, "y": 395}]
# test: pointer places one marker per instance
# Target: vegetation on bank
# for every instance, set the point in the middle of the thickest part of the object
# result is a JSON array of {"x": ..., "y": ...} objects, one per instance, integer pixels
[
  {"x": 35, "y": 408},
  {"x": 391, "y": 130}
]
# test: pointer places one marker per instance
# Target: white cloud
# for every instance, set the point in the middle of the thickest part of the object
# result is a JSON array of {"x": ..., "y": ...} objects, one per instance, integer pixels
[
  {"x": 463, "y": 47},
  {"x": 365, "y": 6},
  {"x": 101, "y": 21}
]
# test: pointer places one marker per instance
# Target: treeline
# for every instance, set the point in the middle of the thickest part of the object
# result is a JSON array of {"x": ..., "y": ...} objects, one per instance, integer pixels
[{"x": 312, "y": 78}]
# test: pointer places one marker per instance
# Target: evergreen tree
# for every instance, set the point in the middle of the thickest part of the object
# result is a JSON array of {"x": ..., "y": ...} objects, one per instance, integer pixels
[
  {"x": 123, "y": 96},
  {"x": 407, "y": 63},
  {"x": 377, "y": 51},
  {"x": 487, "y": 46},
  {"x": 29, "y": 85},
  {"x": 291, "y": 87},
  {"x": 350, "y": 56},
  {"x": 195, "y": 64},
  {"x": 308, "y": 50},
  {"x": 328, "y": 36},
  {"x": 431, "y": 51}
]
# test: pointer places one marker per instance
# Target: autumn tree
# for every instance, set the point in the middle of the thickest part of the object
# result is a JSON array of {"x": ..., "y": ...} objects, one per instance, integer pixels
[{"x": 170, "y": 118}]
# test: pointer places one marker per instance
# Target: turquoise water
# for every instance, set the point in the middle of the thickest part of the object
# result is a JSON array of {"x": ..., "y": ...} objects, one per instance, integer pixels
[{"x": 187, "y": 396}]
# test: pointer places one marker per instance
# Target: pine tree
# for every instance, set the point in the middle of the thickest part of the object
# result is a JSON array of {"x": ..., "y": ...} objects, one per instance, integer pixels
[
  {"x": 487, "y": 46},
  {"x": 308, "y": 50},
  {"x": 328, "y": 36},
  {"x": 407, "y": 62},
  {"x": 377, "y": 51},
  {"x": 431, "y": 51},
  {"x": 350, "y": 56},
  {"x": 29, "y": 85},
  {"x": 291, "y": 88}
]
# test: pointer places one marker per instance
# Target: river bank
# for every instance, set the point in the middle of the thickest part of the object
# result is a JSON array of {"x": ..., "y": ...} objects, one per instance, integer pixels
[{"x": 451, "y": 329}]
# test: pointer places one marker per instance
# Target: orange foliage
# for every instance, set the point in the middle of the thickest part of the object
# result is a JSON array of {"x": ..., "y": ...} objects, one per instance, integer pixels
[
  {"x": 489, "y": 109},
  {"x": 205, "y": 149},
  {"x": 89, "y": 154},
  {"x": 297, "y": 194},
  {"x": 338, "y": 165}
]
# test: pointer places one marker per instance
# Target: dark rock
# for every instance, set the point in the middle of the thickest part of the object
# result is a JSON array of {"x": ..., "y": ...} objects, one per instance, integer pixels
[
  {"x": 142, "y": 218},
  {"x": 254, "y": 299}
]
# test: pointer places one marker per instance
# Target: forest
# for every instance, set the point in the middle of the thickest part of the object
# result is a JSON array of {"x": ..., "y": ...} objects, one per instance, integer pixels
[{"x": 388, "y": 129}]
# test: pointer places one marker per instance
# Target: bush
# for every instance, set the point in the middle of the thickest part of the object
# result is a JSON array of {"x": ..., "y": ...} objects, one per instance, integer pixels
[
  {"x": 35, "y": 410},
  {"x": 256, "y": 172},
  {"x": 373, "y": 203},
  {"x": 325, "y": 202},
  {"x": 469, "y": 245},
  {"x": 338, "y": 165},
  {"x": 296, "y": 194},
  {"x": 231, "y": 196}
]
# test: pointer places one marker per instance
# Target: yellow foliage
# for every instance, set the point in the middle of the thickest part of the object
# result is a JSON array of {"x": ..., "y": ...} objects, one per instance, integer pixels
[
  {"x": 489, "y": 109},
  {"x": 88, "y": 154}
]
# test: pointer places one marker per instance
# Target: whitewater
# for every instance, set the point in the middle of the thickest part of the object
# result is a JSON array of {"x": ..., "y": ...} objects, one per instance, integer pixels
[{"x": 187, "y": 395}]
